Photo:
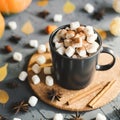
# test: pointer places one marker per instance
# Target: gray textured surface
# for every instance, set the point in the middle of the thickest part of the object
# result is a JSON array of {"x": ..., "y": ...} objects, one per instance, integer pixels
[{"x": 14, "y": 68}]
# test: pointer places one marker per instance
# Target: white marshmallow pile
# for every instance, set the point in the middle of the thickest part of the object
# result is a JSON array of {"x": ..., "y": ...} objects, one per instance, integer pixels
[
  {"x": 33, "y": 43},
  {"x": 36, "y": 68},
  {"x": 42, "y": 48},
  {"x": 49, "y": 80},
  {"x": 58, "y": 116},
  {"x": 57, "y": 18},
  {"x": 35, "y": 79},
  {"x": 16, "y": 119},
  {"x": 100, "y": 117},
  {"x": 33, "y": 101},
  {"x": 77, "y": 41},
  {"x": 17, "y": 56},
  {"x": 22, "y": 76},
  {"x": 41, "y": 59},
  {"x": 12, "y": 25},
  {"x": 89, "y": 8}
]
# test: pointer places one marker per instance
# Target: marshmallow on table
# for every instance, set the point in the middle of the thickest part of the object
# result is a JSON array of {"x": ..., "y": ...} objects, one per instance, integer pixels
[
  {"x": 57, "y": 44},
  {"x": 74, "y": 25},
  {"x": 58, "y": 116},
  {"x": 100, "y": 117},
  {"x": 89, "y": 8},
  {"x": 47, "y": 70},
  {"x": 33, "y": 43},
  {"x": 36, "y": 68},
  {"x": 16, "y": 119},
  {"x": 33, "y": 101},
  {"x": 17, "y": 56},
  {"x": 23, "y": 75},
  {"x": 49, "y": 80},
  {"x": 41, "y": 48},
  {"x": 61, "y": 50},
  {"x": 69, "y": 51},
  {"x": 92, "y": 38},
  {"x": 12, "y": 25},
  {"x": 57, "y": 18},
  {"x": 41, "y": 60},
  {"x": 35, "y": 79}
]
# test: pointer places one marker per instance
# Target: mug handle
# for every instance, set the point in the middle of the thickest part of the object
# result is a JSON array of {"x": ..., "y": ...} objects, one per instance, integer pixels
[{"x": 109, "y": 65}]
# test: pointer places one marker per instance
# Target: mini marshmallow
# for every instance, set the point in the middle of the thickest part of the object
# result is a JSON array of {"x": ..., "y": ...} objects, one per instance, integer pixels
[
  {"x": 58, "y": 116},
  {"x": 47, "y": 70},
  {"x": 96, "y": 45},
  {"x": 89, "y": 30},
  {"x": 57, "y": 18},
  {"x": 47, "y": 47},
  {"x": 41, "y": 60},
  {"x": 22, "y": 76},
  {"x": 33, "y": 101},
  {"x": 41, "y": 48},
  {"x": 89, "y": 8},
  {"x": 61, "y": 50},
  {"x": 100, "y": 117},
  {"x": 56, "y": 38},
  {"x": 92, "y": 38},
  {"x": 91, "y": 49},
  {"x": 74, "y": 25},
  {"x": 74, "y": 56},
  {"x": 12, "y": 25},
  {"x": 67, "y": 42},
  {"x": 33, "y": 43},
  {"x": 35, "y": 79},
  {"x": 62, "y": 33},
  {"x": 49, "y": 80},
  {"x": 17, "y": 56},
  {"x": 16, "y": 119},
  {"x": 36, "y": 68},
  {"x": 77, "y": 42},
  {"x": 81, "y": 52},
  {"x": 69, "y": 51},
  {"x": 57, "y": 44},
  {"x": 70, "y": 34}
]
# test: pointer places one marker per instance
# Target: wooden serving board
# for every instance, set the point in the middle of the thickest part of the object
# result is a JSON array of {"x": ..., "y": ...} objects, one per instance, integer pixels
[{"x": 100, "y": 77}]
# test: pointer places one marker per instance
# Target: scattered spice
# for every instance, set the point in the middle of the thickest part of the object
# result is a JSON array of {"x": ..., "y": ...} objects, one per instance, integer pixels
[
  {"x": 2, "y": 117},
  {"x": 3, "y": 72},
  {"x": 27, "y": 28},
  {"x": 15, "y": 38},
  {"x": 8, "y": 48},
  {"x": 43, "y": 14},
  {"x": 21, "y": 106},
  {"x": 4, "y": 97},
  {"x": 98, "y": 15},
  {"x": 77, "y": 116},
  {"x": 12, "y": 85},
  {"x": 42, "y": 3},
  {"x": 68, "y": 7},
  {"x": 50, "y": 28},
  {"x": 54, "y": 95}
]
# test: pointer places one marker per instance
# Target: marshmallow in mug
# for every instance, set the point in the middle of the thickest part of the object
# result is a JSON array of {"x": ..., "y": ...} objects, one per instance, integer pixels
[{"x": 71, "y": 41}]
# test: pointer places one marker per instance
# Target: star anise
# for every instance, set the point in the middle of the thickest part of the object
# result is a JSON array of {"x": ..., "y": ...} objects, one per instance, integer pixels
[
  {"x": 3, "y": 118},
  {"x": 43, "y": 14},
  {"x": 12, "y": 85},
  {"x": 77, "y": 116},
  {"x": 98, "y": 15},
  {"x": 54, "y": 95},
  {"x": 20, "y": 107}
]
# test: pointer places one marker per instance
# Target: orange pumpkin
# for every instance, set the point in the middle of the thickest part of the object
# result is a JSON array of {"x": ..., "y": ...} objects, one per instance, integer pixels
[
  {"x": 2, "y": 25},
  {"x": 13, "y": 6}
]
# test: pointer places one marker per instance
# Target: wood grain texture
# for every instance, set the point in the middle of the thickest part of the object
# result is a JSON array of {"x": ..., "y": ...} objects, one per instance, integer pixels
[{"x": 100, "y": 77}]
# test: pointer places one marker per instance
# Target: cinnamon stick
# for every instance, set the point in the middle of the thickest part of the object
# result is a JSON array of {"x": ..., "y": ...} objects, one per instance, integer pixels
[
  {"x": 100, "y": 94},
  {"x": 84, "y": 94},
  {"x": 46, "y": 65}
]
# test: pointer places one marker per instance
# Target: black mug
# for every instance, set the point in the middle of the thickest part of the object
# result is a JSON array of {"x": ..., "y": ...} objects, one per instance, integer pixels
[{"x": 76, "y": 74}]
